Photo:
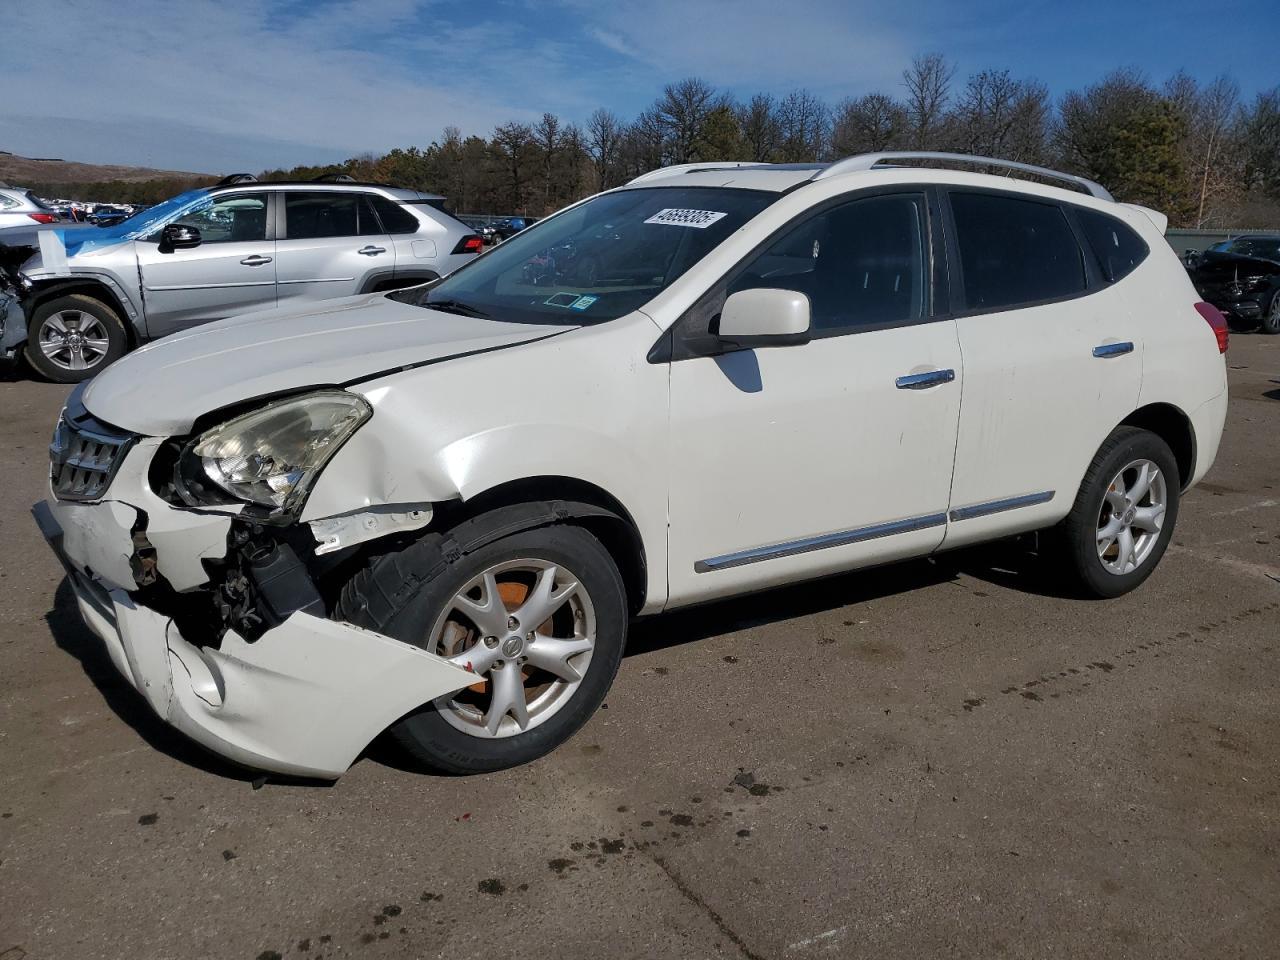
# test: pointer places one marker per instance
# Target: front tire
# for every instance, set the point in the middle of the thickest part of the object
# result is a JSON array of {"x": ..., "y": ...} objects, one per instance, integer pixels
[
  {"x": 539, "y": 616},
  {"x": 1123, "y": 516},
  {"x": 1271, "y": 319},
  {"x": 71, "y": 338}
]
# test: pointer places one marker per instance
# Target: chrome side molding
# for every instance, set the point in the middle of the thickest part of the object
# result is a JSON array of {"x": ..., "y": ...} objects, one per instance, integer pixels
[
  {"x": 821, "y": 542},
  {"x": 999, "y": 506}
]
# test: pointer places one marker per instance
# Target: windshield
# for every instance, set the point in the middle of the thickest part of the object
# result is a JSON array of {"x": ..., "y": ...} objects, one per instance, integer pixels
[
  {"x": 1267, "y": 248},
  {"x": 597, "y": 261}
]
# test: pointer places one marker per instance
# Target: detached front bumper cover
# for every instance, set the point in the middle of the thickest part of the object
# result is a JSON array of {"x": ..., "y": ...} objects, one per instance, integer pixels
[{"x": 304, "y": 699}]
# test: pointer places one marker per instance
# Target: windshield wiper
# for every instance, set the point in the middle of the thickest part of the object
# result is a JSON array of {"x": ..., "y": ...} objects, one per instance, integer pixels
[{"x": 458, "y": 307}]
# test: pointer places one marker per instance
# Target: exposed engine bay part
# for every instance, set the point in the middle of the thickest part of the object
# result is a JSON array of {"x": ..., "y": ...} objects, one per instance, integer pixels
[
  {"x": 264, "y": 582},
  {"x": 349, "y": 529}
]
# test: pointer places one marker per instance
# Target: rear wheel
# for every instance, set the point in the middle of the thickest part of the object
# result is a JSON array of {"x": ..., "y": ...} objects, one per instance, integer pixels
[
  {"x": 1123, "y": 515},
  {"x": 71, "y": 338},
  {"x": 540, "y": 617}
]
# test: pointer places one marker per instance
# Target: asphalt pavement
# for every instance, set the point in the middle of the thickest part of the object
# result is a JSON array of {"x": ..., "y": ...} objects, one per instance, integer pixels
[{"x": 940, "y": 758}]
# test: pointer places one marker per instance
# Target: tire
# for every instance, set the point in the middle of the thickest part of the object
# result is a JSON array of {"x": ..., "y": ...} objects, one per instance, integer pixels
[
  {"x": 1077, "y": 543},
  {"x": 71, "y": 338},
  {"x": 411, "y": 595},
  {"x": 1271, "y": 318}
]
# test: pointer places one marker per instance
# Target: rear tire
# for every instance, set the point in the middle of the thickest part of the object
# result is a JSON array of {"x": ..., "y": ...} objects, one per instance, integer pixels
[
  {"x": 71, "y": 338},
  {"x": 1123, "y": 516},
  {"x": 419, "y": 596}
]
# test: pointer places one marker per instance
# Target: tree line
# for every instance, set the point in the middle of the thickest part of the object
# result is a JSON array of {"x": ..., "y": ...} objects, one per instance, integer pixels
[{"x": 1199, "y": 152}]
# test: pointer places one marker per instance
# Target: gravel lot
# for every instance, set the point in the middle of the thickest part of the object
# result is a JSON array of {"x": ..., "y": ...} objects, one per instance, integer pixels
[{"x": 938, "y": 758}]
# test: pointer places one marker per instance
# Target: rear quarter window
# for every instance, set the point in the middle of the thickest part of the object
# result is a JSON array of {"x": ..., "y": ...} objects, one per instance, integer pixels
[
  {"x": 395, "y": 219},
  {"x": 1117, "y": 249},
  {"x": 1015, "y": 251}
]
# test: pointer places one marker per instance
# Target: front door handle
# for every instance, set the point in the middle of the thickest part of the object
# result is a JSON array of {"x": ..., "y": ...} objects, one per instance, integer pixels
[
  {"x": 255, "y": 261},
  {"x": 372, "y": 251},
  {"x": 1104, "y": 350},
  {"x": 923, "y": 381}
]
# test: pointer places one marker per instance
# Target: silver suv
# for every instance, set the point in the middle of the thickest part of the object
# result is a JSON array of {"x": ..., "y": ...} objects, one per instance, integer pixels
[{"x": 89, "y": 295}]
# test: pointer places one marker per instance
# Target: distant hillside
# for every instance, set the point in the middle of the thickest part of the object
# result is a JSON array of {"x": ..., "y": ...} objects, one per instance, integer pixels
[{"x": 23, "y": 171}]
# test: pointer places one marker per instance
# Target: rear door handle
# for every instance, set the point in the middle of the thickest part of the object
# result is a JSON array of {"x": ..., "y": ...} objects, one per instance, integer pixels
[
  {"x": 255, "y": 261},
  {"x": 372, "y": 251},
  {"x": 923, "y": 381},
  {"x": 1104, "y": 350}
]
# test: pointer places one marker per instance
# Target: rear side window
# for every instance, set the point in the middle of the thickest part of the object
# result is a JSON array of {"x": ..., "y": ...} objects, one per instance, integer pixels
[
  {"x": 1117, "y": 248},
  {"x": 395, "y": 219},
  {"x": 1015, "y": 251},
  {"x": 314, "y": 216}
]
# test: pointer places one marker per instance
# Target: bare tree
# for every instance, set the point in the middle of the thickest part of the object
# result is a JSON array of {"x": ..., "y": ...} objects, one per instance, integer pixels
[
  {"x": 1212, "y": 157},
  {"x": 803, "y": 125},
  {"x": 603, "y": 143},
  {"x": 868, "y": 124},
  {"x": 682, "y": 109},
  {"x": 1260, "y": 138},
  {"x": 928, "y": 83},
  {"x": 998, "y": 116},
  {"x": 546, "y": 137},
  {"x": 758, "y": 121}
]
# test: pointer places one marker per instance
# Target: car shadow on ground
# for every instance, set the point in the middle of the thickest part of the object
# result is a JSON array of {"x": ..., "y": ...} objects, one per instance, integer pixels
[{"x": 1012, "y": 564}]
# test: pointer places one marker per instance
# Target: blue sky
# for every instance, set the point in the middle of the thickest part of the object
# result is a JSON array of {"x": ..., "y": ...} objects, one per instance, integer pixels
[{"x": 219, "y": 85}]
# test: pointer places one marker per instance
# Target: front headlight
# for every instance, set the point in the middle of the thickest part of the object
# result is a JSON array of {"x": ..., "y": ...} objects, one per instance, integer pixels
[{"x": 271, "y": 456}]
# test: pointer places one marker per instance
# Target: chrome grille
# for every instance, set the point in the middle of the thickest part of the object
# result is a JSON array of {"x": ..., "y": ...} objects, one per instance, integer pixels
[{"x": 84, "y": 458}]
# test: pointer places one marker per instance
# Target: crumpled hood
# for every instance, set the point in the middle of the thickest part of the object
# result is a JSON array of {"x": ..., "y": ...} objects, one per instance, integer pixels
[{"x": 162, "y": 388}]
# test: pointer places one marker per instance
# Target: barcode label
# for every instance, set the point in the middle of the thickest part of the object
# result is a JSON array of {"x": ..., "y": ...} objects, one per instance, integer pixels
[{"x": 680, "y": 217}]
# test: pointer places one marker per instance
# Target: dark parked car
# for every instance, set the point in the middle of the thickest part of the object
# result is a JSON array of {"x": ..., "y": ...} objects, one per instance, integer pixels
[
  {"x": 508, "y": 228},
  {"x": 1241, "y": 277},
  {"x": 108, "y": 216}
]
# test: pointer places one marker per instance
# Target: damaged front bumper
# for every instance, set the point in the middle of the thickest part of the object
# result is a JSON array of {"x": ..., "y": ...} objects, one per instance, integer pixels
[{"x": 304, "y": 697}]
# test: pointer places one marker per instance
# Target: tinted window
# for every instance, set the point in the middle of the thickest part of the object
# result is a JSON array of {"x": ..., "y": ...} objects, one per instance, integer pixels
[
  {"x": 862, "y": 264},
  {"x": 1117, "y": 248},
  {"x": 1015, "y": 251},
  {"x": 395, "y": 219},
  {"x": 312, "y": 216},
  {"x": 229, "y": 218}
]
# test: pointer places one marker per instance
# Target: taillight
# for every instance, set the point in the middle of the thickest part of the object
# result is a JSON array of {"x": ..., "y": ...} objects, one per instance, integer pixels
[
  {"x": 1213, "y": 316},
  {"x": 43, "y": 217},
  {"x": 471, "y": 243}
]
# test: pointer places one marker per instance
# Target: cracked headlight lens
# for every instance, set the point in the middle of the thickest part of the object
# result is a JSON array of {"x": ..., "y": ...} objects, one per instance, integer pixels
[{"x": 271, "y": 456}]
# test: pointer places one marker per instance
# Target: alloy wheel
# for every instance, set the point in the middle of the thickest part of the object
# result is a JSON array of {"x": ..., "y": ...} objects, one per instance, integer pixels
[
  {"x": 74, "y": 340},
  {"x": 1131, "y": 517},
  {"x": 527, "y": 629}
]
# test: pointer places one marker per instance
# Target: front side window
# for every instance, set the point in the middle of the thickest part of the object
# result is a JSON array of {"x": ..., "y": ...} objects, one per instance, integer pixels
[
  {"x": 229, "y": 218},
  {"x": 862, "y": 264},
  {"x": 1015, "y": 251},
  {"x": 1117, "y": 248},
  {"x": 599, "y": 260},
  {"x": 324, "y": 214}
]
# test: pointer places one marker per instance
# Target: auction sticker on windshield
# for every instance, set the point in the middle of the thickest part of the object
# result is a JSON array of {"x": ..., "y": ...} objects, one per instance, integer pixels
[{"x": 682, "y": 217}]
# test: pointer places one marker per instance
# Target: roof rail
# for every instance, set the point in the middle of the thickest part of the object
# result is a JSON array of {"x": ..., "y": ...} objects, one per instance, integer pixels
[
  {"x": 334, "y": 178},
  {"x": 663, "y": 172},
  {"x": 868, "y": 161},
  {"x": 235, "y": 178}
]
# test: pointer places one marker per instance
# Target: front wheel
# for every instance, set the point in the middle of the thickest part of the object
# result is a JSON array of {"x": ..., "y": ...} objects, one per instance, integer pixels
[
  {"x": 540, "y": 617},
  {"x": 71, "y": 338},
  {"x": 1271, "y": 319},
  {"x": 1123, "y": 516}
]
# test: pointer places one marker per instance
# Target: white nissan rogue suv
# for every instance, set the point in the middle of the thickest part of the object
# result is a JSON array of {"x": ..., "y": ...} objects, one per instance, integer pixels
[{"x": 436, "y": 510}]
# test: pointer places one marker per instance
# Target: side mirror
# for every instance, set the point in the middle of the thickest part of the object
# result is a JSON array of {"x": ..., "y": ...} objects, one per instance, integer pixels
[
  {"x": 765, "y": 318},
  {"x": 178, "y": 236}
]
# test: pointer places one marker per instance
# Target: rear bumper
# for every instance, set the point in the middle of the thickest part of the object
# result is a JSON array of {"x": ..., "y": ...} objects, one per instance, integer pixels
[{"x": 304, "y": 699}]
